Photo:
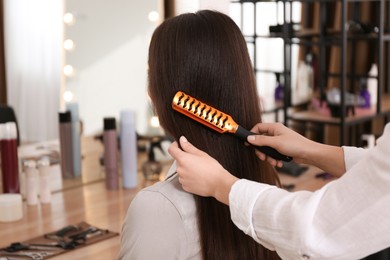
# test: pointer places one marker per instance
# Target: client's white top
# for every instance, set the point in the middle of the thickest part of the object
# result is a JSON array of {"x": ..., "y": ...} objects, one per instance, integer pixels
[
  {"x": 161, "y": 223},
  {"x": 348, "y": 218}
]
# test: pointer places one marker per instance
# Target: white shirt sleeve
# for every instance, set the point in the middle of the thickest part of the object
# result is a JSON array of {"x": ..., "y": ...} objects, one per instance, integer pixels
[
  {"x": 347, "y": 219},
  {"x": 353, "y": 155}
]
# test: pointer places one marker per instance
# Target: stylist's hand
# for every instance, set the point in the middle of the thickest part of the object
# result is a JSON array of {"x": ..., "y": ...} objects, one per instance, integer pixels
[
  {"x": 329, "y": 158},
  {"x": 199, "y": 173},
  {"x": 281, "y": 138}
]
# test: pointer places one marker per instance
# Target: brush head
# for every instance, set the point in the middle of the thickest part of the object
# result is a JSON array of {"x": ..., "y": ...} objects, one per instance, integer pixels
[
  {"x": 203, "y": 113},
  {"x": 218, "y": 121}
]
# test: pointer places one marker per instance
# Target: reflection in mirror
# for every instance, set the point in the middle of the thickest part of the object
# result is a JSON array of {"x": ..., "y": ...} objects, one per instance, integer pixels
[
  {"x": 108, "y": 45},
  {"x": 92, "y": 168},
  {"x": 105, "y": 46}
]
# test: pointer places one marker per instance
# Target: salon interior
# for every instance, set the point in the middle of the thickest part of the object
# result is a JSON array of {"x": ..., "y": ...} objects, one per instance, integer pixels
[{"x": 78, "y": 135}]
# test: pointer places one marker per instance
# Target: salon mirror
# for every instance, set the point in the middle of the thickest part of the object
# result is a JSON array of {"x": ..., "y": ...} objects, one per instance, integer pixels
[
  {"x": 106, "y": 46},
  {"x": 108, "y": 51}
]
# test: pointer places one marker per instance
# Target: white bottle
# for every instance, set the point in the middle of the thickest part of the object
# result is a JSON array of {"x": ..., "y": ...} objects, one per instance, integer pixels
[
  {"x": 305, "y": 81},
  {"x": 128, "y": 144},
  {"x": 44, "y": 180},
  {"x": 31, "y": 182},
  {"x": 372, "y": 84}
]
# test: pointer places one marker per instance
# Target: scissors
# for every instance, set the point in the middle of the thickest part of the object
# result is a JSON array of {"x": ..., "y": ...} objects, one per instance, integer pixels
[{"x": 32, "y": 255}]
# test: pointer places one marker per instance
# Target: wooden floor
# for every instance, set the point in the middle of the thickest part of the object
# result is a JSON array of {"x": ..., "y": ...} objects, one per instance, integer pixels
[{"x": 100, "y": 207}]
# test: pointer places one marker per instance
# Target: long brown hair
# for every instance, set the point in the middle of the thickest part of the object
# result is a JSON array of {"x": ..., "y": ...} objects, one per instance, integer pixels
[{"x": 205, "y": 55}]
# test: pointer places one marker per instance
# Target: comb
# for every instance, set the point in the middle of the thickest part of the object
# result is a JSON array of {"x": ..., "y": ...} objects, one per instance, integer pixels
[{"x": 218, "y": 121}]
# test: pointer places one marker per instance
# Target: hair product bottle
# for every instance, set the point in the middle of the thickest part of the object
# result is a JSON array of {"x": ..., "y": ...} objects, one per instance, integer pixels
[
  {"x": 44, "y": 180},
  {"x": 364, "y": 94},
  {"x": 111, "y": 153},
  {"x": 66, "y": 144},
  {"x": 9, "y": 157},
  {"x": 372, "y": 84},
  {"x": 76, "y": 147},
  {"x": 128, "y": 148},
  {"x": 304, "y": 87},
  {"x": 279, "y": 89},
  {"x": 31, "y": 182}
]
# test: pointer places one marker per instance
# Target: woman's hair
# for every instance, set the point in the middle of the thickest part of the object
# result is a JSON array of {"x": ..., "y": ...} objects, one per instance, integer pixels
[{"x": 204, "y": 54}]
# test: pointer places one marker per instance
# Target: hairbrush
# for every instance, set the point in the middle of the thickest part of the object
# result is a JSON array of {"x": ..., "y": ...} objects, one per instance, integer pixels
[{"x": 218, "y": 121}]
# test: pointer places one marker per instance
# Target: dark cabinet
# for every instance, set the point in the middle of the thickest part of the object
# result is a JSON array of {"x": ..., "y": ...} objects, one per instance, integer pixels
[{"x": 344, "y": 39}]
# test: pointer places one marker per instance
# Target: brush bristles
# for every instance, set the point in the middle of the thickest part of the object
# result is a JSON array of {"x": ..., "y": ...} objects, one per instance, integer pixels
[{"x": 202, "y": 113}]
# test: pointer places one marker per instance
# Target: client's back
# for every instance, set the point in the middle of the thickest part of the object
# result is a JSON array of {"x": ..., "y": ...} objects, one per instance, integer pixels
[{"x": 204, "y": 55}]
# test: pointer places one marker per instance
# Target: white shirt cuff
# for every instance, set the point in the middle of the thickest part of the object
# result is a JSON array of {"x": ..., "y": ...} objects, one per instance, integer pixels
[
  {"x": 242, "y": 198},
  {"x": 353, "y": 155}
]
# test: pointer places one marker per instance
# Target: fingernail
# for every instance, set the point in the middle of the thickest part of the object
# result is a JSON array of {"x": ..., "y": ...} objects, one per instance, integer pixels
[
  {"x": 183, "y": 139},
  {"x": 251, "y": 138}
]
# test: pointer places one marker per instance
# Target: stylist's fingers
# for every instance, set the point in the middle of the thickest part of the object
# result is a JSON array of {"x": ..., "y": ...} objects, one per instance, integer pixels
[
  {"x": 260, "y": 155},
  {"x": 270, "y": 160},
  {"x": 261, "y": 140},
  {"x": 274, "y": 162},
  {"x": 188, "y": 147},
  {"x": 265, "y": 128},
  {"x": 174, "y": 150},
  {"x": 180, "y": 156}
]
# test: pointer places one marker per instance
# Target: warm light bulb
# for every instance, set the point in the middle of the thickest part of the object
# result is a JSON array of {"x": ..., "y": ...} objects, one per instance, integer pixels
[
  {"x": 69, "y": 19},
  {"x": 68, "y": 96},
  {"x": 153, "y": 16},
  {"x": 154, "y": 121},
  {"x": 69, "y": 45},
  {"x": 68, "y": 70}
]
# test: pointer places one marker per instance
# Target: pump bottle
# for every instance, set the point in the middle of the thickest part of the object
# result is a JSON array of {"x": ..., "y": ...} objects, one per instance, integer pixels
[
  {"x": 44, "y": 180},
  {"x": 76, "y": 146},
  {"x": 66, "y": 145},
  {"x": 111, "y": 153},
  {"x": 31, "y": 182},
  {"x": 372, "y": 84},
  {"x": 9, "y": 157},
  {"x": 128, "y": 149}
]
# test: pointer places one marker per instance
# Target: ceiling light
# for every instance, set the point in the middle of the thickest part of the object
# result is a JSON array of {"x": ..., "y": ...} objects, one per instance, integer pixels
[{"x": 153, "y": 16}]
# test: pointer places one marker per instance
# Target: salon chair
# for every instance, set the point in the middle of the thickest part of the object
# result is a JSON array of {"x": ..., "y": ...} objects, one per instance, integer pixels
[{"x": 7, "y": 114}]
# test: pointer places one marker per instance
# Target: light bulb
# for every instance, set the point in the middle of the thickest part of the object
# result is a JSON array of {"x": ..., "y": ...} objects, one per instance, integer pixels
[
  {"x": 68, "y": 96},
  {"x": 69, "y": 19},
  {"x": 68, "y": 70},
  {"x": 153, "y": 16},
  {"x": 69, "y": 45}
]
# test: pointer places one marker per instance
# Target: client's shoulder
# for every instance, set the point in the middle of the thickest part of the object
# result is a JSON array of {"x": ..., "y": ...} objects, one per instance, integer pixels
[
  {"x": 168, "y": 192},
  {"x": 171, "y": 189}
]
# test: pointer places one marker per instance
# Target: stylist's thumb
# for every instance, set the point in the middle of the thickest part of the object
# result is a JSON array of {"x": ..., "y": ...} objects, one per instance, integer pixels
[
  {"x": 261, "y": 140},
  {"x": 188, "y": 147},
  {"x": 175, "y": 151}
]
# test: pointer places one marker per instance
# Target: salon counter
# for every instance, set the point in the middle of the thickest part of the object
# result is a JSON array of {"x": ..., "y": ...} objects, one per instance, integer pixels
[
  {"x": 81, "y": 199},
  {"x": 91, "y": 203}
]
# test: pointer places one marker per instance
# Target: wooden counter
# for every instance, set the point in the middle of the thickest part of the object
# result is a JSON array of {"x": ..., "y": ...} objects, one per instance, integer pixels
[{"x": 91, "y": 203}]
